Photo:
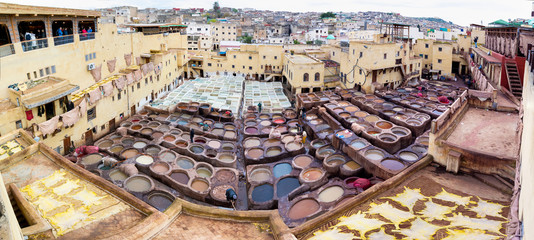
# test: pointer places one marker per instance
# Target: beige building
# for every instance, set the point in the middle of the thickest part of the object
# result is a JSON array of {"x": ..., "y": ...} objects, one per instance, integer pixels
[
  {"x": 221, "y": 31},
  {"x": 303, "y": 73},
  {"x": 40, "y": 77},
  {"x": 444, "y": 57}
]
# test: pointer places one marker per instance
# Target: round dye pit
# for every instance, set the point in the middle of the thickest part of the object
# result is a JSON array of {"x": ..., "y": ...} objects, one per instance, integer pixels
[
  {"x": 167, "y": 156},
  {"x": 197, "y": 149},
  {"x": 153, "y": 124},
  {"x": 116, "y": 149},
  {"x": 351, "y": 165},
  {"x": 160, "y": 201},
  {"x": 265, "y": 123},
  {"x": 169, "y": 138},
  {"x": 392, "y": 164},
  {"x": 401, "y": 117},
  {"x": 152, "y": 150},
  {"x": 138, "y": 184},
  {"x": 200, "y": 140},
  {"x": 117, "y": 175},
  {"x": 419, "y": 149},
  {"x": 161, "y": 167},
  {"x": 129, "y": 153},
  {"x": 371, "y": 118},
  {"x": 264, "y": 116},
  {"x": 331, "y": 194},
  {"x": 250, "y": 123},
  {"x": 360, "y": 114},
  {"x": 214, "y": 144},
  {"x": 181, "y": 143},
  {"x": 251, "y": 130},
  {"x": 386, "y": 137},
  {"x": 218, "y": 125},
  {"x": 91, "y": 159},
  {"x": 200, "y": 185},
  {"x": 338, "y": 110},
  {"x": 127, "y": 141},
  {"x": 358, "y": 144},
  {"x": 228, "y": 147},
  {"x": 273, "y": 151},
  {"x": 266, "y": 130},
  {"x": 399, "y": 131},
  {"x": 229, "y": 127},
  {"x": 229, "y": 134},
  {"x": 282, "y": 169},
  {"x": 147, "y": 131},
  {"x": 217, "y": 131},
  {"x": 413, "y": 122},
  {"x": 312, "y": 174},
  {"x": 423, "y": 141},
  {"x": 352, "y": 119},
  {"x": 286, "y": 185},
  {"x": 263, "y": 193},
  {"x": 335, "y": 160},
  {"x": 318, "y": 143},
  {"x": 204, "y": 172},
  {"x": 157, "y": 135},
  {"x": 373, "y": 132},
  {"x": 287, "y": 139},
  {"x": 326, "y": 150},
  {"x": 302, "y": 161},
  {"x": 344, "y": 115},
  {"x": 351, "y": 109},
  {"x": 260, "y": 175},
  {"x": 105, "y": 144},
  {"x": 271, "y": 142},
  {"x": 139, "y": 144},
  {"x": 279, "y": 120},
  {"x": 389, "y": 112},
  {"x": 303, "y": 208},
  {"x": 136, "y": 127},
  {"x": 227, "y": 157},
  {"x": 255, "y": 153},
  {"x": 408, "y": 156},
  {"x": 144, "y": 160},
  {"x": 180, "y": 177},
  {"x": 281, "y": 128},
  {"x": 344, "y": 134},
  {"x": 384, "y": 125},
  {"x": 293, "y": 146},
  {"x": 374, "y": 154}
]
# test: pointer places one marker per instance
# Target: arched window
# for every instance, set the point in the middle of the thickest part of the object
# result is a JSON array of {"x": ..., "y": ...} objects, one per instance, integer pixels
[
  {"x": 306, "y": 77},
  {"x": 317, "y": 77}
]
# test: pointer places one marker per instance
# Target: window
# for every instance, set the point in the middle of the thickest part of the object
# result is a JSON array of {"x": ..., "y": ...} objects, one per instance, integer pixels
[
  {"x": 353, "y": 51},
  {"x": 234, "y": 56},
  {"x": 426, "y": 56},
  {"x": 249, "y": 67},
  {"x": 263, "y": 57},
  {"x": 275, "y": 57},
  {"x": 333, "y": 53},
  {"x": 360, "y": 72},
  {"x": 385, "y": 55},
  {"x": 146, "y": 81},
  {"x": 306, "y": 77},
  {"x": 249, "y": 57},
  {"x": 439, "y": 60},
  {"x": 440, "y": 49},
  {"x": 119, "y": 96},
  {"x": 41, "y": 72},
  {"x": 53, "y": 69},
  {"x": 361, "y": 54},
  {"x": 18, "y": 124},
  {"x": 317, "y": 77},
  {"x": 91, "y": 114},
  {"x": 243, "y": 66},
  {"x": 426, "y": 45},
  {"x": 209, "y": 64},
  {"x": 29, "y": 76},
  {"x": 233, "y": 66}
]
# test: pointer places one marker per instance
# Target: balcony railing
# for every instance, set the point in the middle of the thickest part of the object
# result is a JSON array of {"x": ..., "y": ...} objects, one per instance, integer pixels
[
  {"x": 34, "y": 44},
  {"x": 63, "y": 40},
  {"x": 7, "y": 50},
  {"x": 87, "y": 36}
]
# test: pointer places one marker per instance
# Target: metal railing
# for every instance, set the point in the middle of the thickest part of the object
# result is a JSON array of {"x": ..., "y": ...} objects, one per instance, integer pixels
[
  {"x": 34, "y": 44},
  {"x": 87, "y": 36},
  {"x": 63, "y": 40},
  {"x": 7, "y": 50}
]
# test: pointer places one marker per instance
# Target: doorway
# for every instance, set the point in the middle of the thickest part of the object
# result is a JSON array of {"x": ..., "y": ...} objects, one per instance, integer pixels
[
  {"x": 50, "y": 110},
  {"x": 455, "y": 67},
  {"x": 132, "y": 110},
  {"x": 66, "y": 145},
  {"x": 89, "y": 137},
  {"x": 112, "y": 125}
]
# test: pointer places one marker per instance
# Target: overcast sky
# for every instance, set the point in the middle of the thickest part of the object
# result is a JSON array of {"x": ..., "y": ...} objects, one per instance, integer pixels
[{"x": 462, "y": 12}]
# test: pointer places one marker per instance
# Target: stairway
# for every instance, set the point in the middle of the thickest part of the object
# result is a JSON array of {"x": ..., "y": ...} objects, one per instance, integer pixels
[{"x": 513, "y": 79}]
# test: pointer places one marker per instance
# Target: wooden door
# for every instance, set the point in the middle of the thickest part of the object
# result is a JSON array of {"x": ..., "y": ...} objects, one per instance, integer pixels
[
  {"x": 132, "y": 110},
  {"x": 89, "y": 137},
  {"x": 66, "y": 145},
  {"x": 112, "y": 125}
]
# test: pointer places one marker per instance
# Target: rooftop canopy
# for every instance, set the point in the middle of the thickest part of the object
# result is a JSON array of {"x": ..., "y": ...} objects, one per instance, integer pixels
[{"x": 16, "y": 9}]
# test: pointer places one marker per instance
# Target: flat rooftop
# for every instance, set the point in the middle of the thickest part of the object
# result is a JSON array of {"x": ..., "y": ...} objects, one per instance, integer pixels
[
  {"x": 301, "y": 59},
  {"x": 9, "y": 8},
  {"x": 490, "y": 132}
]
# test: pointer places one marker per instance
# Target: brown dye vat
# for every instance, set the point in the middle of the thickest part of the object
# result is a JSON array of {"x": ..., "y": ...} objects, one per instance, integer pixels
[
  {"x": 271, "y": 142},
  {"x": 91, "y": 159},
  {"x": 199, "y": 185},
  {"x": 169, "y": 138},
  {"x": 180, "y": 177},
  {"x": 255, "y": 153},
  {"x": 264, "y": 116},
  {"x": 181, "y": 144},
  {"x": 217, "y": 131},
  {"x": 351, "y": 109},
  {"x": 343, "y": 103},
  {"x": 392, "y": 164},
  {"x": 351, "y": 165},
  {"x": 371, "y": 118},
  {"x": 303, "y": 208},
  {"x": 401, "y": 117},
  {"x": 136, "y": 127},
  {"x": 251, "y": 142},
  {"x": 370, "y": 96},
  {"x": 138, "y": 183},
  {"x": 282, "y": 129},
  {"x": 360, "y": 114},
  {"x": 143, "y": 122},
  {"x": 129, "y": 153},
  {"x": 211, "y": 153},
  {"x": 161, "y": 167},
  {"x": 157, "y": 135},
  {"x": 105, "y": 144},
  {"x": 312, "y": 174},
  {"x": 373, "y": 132},
  {"x": 303, "y": 161},
  {"x": 293, "y": 146},
  {"x": 208, "y": 122},
  {"x": 338, "y": 110},
  {"x": 290, "y": 114},
  {"x": 229, "y": 127},
  {"x": 335, "y": 160},
  {"x": 153, "y": 124},
  {"x": 116, "y": 149},
  {"x": 378, "y": 101},
  {"x": 266, "y": 130},
  {"x": 200, "y": 140},
  {"x": 277, "y": 115},
  {"x": 229, "y": 134},
  {"x": 117, "y": 175},
  {"x": 197, "y": 120},
  {"x": 384, "y": 125},
  {"x": 344, "y": 114}
]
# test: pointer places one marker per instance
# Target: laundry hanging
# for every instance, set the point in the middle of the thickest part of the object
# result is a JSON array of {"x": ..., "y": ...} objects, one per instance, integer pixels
[{"x": 29, "y": 115}]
